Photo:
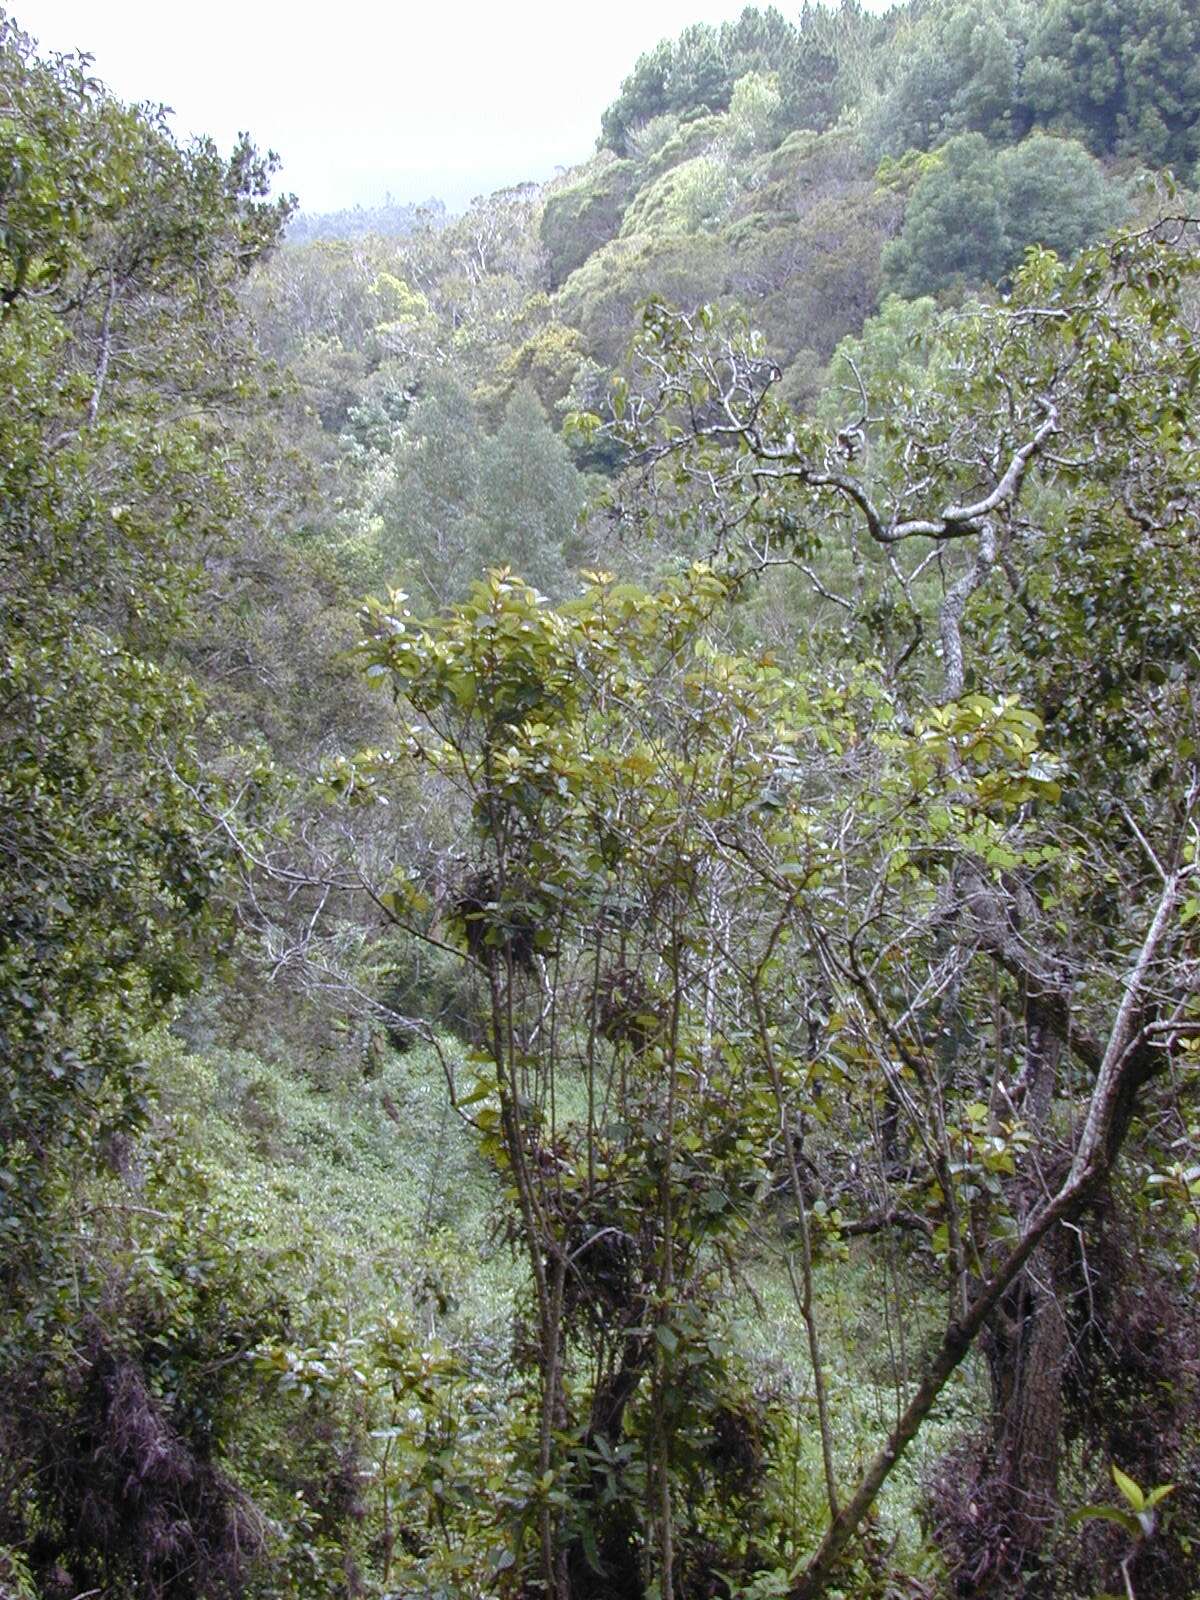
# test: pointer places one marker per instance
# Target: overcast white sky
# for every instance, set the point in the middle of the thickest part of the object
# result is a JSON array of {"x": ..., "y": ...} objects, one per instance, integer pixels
[{"x": 414, "y": 97}]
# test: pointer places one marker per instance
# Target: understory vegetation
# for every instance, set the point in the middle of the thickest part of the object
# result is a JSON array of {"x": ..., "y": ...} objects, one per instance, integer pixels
[{"x": 598, "y": 960}]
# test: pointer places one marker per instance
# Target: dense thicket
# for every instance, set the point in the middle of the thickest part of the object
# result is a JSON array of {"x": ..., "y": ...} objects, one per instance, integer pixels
[
  {"x": 692, "y": 1094},
  {"x": 143, "y": 590}
]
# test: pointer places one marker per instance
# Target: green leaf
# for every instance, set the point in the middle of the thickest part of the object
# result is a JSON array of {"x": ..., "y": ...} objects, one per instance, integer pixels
[
  {"x": 1122, "y": 1519},
  {"x": 1128, "y": 1488},
  {"x": 590, "y": 1550},
  {"x": 482, "y": 1089}
]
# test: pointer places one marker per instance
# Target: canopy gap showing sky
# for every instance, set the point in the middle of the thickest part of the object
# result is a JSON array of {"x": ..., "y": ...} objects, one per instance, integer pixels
[{"x": 416, "y": 100}]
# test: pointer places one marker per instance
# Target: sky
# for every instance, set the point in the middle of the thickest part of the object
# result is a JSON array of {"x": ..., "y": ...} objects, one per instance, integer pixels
[{"x": 419, "y": 100}]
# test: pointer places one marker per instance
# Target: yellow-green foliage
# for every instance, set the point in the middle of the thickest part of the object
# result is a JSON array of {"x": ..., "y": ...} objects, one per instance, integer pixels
[
  {"x": 902, "y": 173},
  {"x": 805, "y": 168},
  {"x": 396, "y": 300},
  {"x": 16, "y": 1583},
  {"x": 586, "y": 213},
  {"x": 692, "y": 139},
  {"x": 798, "y": 146},
  {"x": 548, "y": 361},
  {"x": 690, "y": 196},
  {"x": 755, "y": 110},
  {"x": 602, "y": 296}
]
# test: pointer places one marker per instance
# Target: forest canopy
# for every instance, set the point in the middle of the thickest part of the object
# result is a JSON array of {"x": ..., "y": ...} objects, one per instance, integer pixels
[{"x": 598, "y": 968}]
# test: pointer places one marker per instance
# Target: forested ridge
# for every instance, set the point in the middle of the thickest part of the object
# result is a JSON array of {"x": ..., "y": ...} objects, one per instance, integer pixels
[{"x": 598, "y": 958}]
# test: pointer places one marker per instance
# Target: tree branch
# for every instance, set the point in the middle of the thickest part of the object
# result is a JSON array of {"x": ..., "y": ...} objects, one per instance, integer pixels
[{"x": 1094, "y": 1157}]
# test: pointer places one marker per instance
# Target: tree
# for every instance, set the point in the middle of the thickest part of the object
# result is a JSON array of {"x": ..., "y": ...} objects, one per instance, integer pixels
[
  {"x": 692, "y": 195},
  {"x": 129, "y": 465},
  {"x": 627, "y": 890},
  {"x": 450, "y": 500},
  {"x": 975, "y": 211},
  {"x": 758, "y": 42},
  {"x": 601, "y": 298},
  {"x": 957, "y": 71},
  {"x": 828, "y": 65},
  {"x": 895, "y": 348},
  {"x": 122, "y": 257},
  {"x": 427, "y": 495},
  {"x": 1009, "y": 964},
  {"x": 1122, "y": 78},
  {"x": 580, "y": 217},
  {"x": 550, "y": 361},
  {"x": 954, "y": 230},
  {"x": 530, "y": 496},
  {"x": 1055, "y": 195},
  {"x": 643, "y": 96},
  {"x": 699, "y": 78},
  {"x": 755, "y": 109}
]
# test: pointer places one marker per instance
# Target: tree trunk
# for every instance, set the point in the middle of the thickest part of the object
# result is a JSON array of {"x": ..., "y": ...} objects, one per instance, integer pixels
[
  {"x": 611, "y": 1570},
  {"x": 1027, "y": 1347},
  {"x": 1001, "y": 1534},
  {"x": 1127, "y": 1062}
]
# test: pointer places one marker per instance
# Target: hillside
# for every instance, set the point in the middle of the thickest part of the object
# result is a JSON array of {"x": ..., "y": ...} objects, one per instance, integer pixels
[{"x": 598, "y": 969}]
